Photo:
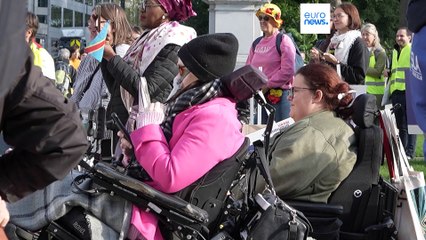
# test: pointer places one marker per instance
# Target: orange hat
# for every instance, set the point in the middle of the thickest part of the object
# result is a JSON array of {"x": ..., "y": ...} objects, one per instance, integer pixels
[{"x": 271, "y": 10}]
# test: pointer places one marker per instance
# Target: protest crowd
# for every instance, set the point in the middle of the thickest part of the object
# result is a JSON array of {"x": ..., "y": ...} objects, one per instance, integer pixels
[{"x": 152, "y": 131}]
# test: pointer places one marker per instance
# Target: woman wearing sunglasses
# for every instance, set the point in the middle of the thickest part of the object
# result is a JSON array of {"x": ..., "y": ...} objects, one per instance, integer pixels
[
  {"x": 309, "y": 159},
  {"x": 152, "y": 59},
  {"x": 278, "y": 68}
]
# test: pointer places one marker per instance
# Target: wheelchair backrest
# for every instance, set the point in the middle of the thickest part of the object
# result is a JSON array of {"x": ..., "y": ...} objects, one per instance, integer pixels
[
  {"x": 210, "y": 191},
  {"x": 358, "y": 192}
]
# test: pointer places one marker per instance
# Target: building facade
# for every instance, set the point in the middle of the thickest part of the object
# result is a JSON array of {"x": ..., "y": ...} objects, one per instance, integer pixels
[{"x": 62, "y": 18}]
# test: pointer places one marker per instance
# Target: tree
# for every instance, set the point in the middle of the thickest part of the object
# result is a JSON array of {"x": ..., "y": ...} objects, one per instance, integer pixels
[
  {"x": 201, "y": 22},
  {"x": 384, "y": 14}
]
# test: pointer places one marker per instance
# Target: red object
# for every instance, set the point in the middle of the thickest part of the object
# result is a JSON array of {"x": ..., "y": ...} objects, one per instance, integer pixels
[
  {"x": 388, "y": 150},
  {"x": 273, "y": 99}
]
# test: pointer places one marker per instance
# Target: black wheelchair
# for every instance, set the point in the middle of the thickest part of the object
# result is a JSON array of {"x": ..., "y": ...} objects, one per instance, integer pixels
[{"x": 364, "y": 204}]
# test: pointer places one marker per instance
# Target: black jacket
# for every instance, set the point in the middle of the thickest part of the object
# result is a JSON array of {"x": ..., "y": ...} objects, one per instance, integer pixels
[
  {"x": 44, "y": 130},
  {"x": 159, "y": 76},
  {"x": 416, "y": 16},
  {"x": 358, "y": 60}
]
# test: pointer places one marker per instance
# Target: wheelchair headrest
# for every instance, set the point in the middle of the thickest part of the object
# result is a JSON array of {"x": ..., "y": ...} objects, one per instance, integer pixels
[
  {"x": 364, "y": 110},
  {"x": 244, "y": 82}
]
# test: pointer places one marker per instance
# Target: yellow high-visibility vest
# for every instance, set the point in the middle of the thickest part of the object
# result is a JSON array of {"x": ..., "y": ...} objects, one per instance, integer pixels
[
  {"x": 399, "y": 67},
  {"x": 36, "y": 52},
  {"x": 375, "y": 85}
]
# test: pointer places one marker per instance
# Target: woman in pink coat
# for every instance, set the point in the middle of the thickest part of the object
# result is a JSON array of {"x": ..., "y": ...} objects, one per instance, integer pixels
[{"x": 199, "y": 129}]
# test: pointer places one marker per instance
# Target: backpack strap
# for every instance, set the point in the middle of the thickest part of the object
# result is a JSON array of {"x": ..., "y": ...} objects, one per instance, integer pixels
[
  {"x": 91, "y": 79},
  {"x": 255, "y": 42},
  {"x": 278, "y": 41}
]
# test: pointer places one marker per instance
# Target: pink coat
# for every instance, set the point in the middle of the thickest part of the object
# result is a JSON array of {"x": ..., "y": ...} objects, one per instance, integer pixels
[{"x": 203, "y": 135}]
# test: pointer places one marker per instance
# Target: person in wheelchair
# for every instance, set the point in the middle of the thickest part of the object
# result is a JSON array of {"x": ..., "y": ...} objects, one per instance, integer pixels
[
  {"x": 309, "y": 159},
  {"x": 199, "y": 130}
]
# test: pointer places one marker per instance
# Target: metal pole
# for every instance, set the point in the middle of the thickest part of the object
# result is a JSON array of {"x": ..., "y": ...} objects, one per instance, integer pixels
[{"x": 49, "y": 7}]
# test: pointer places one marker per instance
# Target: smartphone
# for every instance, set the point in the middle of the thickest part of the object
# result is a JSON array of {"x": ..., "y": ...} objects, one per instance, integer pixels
[
  {"x": 120, "y": 126},
  {"x": 133, "y": 169}
]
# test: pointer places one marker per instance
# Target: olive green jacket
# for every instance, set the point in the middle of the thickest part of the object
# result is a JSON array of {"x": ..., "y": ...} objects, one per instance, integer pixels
[{"x": 309, "y": 159}]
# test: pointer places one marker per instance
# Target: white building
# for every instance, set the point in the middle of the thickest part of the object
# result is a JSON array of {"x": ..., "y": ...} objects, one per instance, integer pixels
[{"x": 59, "y": 18}]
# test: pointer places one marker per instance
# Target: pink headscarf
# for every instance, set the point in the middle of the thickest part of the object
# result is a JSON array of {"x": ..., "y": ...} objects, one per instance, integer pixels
[{"x": 178, "y": 10}]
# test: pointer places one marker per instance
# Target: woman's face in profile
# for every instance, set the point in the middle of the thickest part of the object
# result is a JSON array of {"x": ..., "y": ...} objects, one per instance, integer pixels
[
  {"x": 151, "y": 14},
  {"x": 301, "y": 99},
  {"x": 340, "y": 20}
]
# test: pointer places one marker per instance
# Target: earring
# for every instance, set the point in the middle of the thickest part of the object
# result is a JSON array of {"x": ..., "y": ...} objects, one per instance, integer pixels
[{"x": 163, "y": 17}]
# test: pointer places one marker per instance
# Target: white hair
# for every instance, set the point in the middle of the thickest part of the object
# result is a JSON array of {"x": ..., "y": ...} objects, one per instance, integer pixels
[
  {"x": 371, "y": 29},
  {"x": 64, "y": 54}
]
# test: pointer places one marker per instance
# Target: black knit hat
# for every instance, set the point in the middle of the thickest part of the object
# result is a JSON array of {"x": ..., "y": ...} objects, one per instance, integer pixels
[{"x": 210, "y": 56}]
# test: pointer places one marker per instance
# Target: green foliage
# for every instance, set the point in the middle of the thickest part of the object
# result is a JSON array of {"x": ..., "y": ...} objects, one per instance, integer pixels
[
  {"x": 201, "y": 22},
  {"x": 384, "y": 14},
  {"x": 291, "y": 15}
]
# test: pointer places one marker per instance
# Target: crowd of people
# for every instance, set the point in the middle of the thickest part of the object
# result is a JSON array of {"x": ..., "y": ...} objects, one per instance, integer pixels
[{"x": 164, "y": 83}]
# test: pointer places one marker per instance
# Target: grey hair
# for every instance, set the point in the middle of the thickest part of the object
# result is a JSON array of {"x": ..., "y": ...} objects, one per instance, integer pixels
[
  {"x": 371, "y": 29},
  {"x": 64, "y": 54}
]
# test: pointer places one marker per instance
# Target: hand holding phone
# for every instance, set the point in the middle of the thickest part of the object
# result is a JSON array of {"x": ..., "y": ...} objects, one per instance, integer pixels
[
  {"x": 120, "y": 126},
  {"x": 124, "y": 133},
  {"x": 320, "y": 53}
]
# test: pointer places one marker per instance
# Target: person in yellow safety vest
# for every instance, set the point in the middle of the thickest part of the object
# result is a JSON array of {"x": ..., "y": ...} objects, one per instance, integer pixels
[
  {"x": 400, "y": 69},
  {"x": 374, "y": 79},
  {"x": 41, "y": 56}
]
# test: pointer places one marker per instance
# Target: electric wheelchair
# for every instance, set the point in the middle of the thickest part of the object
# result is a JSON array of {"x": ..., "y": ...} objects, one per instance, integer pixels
[{"x": 361, "y": 208}]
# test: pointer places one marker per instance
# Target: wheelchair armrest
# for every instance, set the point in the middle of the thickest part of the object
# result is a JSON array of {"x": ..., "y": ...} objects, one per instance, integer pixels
[
  {"x": 312, "y": 209},
  {"x": 135, "y": 190}
]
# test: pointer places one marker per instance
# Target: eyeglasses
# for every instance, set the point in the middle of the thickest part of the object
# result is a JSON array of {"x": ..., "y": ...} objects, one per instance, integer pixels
[
  {"x": 293, "y": 90},
  {"x": 264, "y": 18},
  {"x": 144, "y": 5},
  {"x": 339, "y": 16}
]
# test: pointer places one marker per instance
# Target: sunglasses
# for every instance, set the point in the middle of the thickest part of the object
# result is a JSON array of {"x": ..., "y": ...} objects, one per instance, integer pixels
[
  {"x": 264, "y": 18},
  {"x": 293, "y": 90}
]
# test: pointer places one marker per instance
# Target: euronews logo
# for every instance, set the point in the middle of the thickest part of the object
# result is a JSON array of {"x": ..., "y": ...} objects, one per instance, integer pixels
[{"x": 315, "y": 18}]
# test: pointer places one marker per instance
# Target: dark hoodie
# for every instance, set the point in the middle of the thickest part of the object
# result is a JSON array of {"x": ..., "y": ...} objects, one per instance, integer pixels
[
  {"x": 43, "y": 128},
  {"x": 416, "y": 16}
]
